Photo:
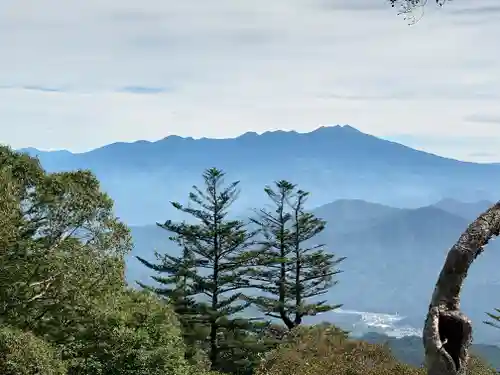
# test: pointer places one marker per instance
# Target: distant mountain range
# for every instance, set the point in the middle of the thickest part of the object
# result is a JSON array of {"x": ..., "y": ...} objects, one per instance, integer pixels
[
  {"x": 394, "y": 248},
  {"x": 337, "y": 162}
]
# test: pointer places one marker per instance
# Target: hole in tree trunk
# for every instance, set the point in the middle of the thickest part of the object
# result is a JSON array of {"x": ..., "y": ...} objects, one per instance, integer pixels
[{"x": 451, "y": 334}]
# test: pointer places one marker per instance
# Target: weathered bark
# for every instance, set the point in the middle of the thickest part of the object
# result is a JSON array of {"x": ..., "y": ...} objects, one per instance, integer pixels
[{"x": 447, "y": 332}]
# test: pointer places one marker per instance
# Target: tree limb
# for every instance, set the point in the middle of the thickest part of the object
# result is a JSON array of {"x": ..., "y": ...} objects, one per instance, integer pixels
[{"x": 447, "y": 332}]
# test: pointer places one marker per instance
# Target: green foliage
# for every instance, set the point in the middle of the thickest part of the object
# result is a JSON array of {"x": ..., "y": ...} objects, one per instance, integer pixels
[
  {"x": 61, "y": 244},
  {"x": 128, "y": 333},
  {"x": 212, "y": 267},
  {"x": 495, "y": 322},
  {"x": 326, "y": 350},
  {"x": 22, "y": 353},
  {"x": 177, "y": 289},
  {"x": 290, "y": 269},
  {"x": 244, "y": 348},
  {"x": 478, "y": 366}
]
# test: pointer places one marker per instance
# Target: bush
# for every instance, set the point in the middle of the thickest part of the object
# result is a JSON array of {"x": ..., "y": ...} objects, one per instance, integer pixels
[
  {"x": 22, "y": 353},
  {"x": 477, "y": 366},
  {"x": 328, "y": 351},
  {"x": 318, "y": 350},
  {"x": 132, "y": 333}
]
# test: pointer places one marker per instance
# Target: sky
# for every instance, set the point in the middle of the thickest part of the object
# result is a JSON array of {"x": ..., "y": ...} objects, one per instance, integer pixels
[{"x": 79, "y": 74}]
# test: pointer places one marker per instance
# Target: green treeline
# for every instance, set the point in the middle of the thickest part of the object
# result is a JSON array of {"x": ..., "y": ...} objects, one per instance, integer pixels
[{"x": 233, "y": 300}]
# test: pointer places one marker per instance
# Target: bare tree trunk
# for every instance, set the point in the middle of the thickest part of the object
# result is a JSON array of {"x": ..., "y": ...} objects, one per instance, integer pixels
[{"x": 448, "y": 332}]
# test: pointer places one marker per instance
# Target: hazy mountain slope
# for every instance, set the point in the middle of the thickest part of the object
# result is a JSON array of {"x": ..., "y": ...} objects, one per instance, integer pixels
[
  {"x": 331, "y": 162},
  {"x": 344, "y": 215},
  {"x": 467, "y": 210},
  {"x": 381, "y": 257}
]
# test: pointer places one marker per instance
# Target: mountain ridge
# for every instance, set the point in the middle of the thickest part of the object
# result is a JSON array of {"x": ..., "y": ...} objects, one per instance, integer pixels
[
  {"x": 325, "y": 130},
  {"x": 331, "y": 162}
]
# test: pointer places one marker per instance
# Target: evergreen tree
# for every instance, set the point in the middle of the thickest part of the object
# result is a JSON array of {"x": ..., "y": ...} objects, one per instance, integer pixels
[
  {"x": 175, "y": 287},
  {"x": 290, "y": 270},
  {"x": 213, "y": 265}
]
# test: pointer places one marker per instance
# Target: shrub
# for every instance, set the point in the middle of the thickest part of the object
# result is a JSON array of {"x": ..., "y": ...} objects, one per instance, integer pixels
[
  {"x": 132, "y": 333},
  {"x": 477, "y": 366},
  {"x": 22, "y": 353},
  {"x": 328, "y": 351},
  {"x": 318, "y": 352}
]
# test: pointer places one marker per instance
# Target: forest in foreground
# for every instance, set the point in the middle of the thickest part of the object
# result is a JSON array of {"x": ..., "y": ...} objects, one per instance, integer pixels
[{"x": 65, "y": 306}]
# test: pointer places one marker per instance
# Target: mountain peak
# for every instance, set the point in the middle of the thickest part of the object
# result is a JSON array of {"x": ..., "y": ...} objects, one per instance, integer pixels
[
  {"x": 323, "y": 130},
  {"x": 249, "y": 135},
  {"x": 35, "y": 152},
  {"x": 344, "y": 128}
]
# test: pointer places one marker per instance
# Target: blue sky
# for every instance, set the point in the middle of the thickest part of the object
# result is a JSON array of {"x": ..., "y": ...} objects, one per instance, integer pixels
[{"x": 80, "y": 74}]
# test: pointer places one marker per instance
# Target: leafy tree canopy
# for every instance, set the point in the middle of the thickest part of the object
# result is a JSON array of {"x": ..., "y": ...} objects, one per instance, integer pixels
[
  {"x": 22, "y": 353},
  {"x": 60, "y": 243}
]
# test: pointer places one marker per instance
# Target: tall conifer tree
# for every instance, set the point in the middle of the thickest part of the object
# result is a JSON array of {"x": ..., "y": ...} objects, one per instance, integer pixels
[
  {"x": 214, "y": 261},
  {"x": 292, "y": 270}
]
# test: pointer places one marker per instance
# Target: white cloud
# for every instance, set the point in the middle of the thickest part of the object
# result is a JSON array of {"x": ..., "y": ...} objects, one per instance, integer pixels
[{"x": 231, "y": 66}]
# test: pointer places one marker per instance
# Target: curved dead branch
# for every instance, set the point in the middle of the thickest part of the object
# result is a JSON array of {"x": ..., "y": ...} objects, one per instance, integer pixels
[{"x": 448, "y": 332}]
